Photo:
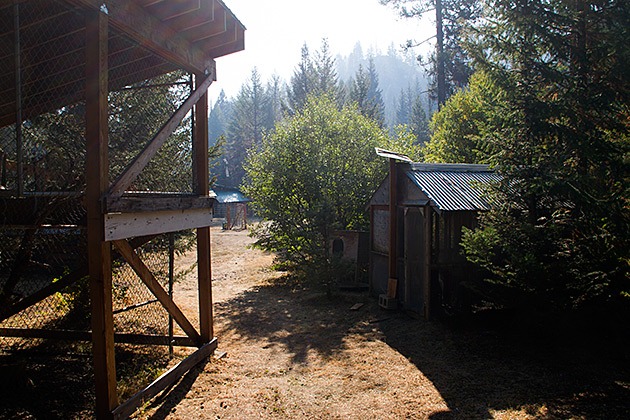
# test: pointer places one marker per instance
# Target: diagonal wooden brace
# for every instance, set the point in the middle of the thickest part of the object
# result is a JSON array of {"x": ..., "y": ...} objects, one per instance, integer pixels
[
  {"x": 147, "y": 278},
  {"x": 133, "y": 170}
]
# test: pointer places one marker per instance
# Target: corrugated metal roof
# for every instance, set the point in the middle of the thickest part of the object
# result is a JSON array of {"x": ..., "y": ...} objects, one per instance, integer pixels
[{"x": 453, "y": 187}]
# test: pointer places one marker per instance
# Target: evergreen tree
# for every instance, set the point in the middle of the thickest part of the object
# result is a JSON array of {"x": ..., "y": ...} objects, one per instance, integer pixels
[
  {"x": 245, "y": 129},
  {"x": 325, "y": 75},
  {"x": 374, "y": 93},
  {"x": 450, "y": 63},
  {"x": 273, "y": 102},
  {"x": 360, "y": 95},
  {"x": 219, "y": 117},
  {"x": 302, "y": 82},
  {"x": 418, "y": 122},
  {"x": 560, "y": 235}
]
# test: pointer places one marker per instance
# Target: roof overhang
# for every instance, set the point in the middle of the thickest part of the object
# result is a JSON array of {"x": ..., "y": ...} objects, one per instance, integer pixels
[{"x": 147, "y": 38}]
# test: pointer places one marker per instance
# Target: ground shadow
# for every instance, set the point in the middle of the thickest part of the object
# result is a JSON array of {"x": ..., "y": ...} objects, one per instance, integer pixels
[
  {"x": 296, "y": 318},
  {"x": 55, "y": 380},
  {"x": 478, "y": 372}
]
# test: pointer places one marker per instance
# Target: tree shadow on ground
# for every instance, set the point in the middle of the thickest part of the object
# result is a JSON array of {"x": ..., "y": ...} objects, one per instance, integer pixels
[
  {"x": 296, "y": 318},
  {"x": 478, "y": 372}
]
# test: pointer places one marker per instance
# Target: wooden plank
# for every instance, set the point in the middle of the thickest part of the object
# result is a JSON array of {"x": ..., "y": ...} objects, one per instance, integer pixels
[
  {"x": 72, "y": 335},
  {"x": 128, "y": 225},
  {"x": 99, "y": 251},
  {"x": 392, "y": 287},
  {"x": 150, "y": 203},
  {"x": 202, "y": 188},
  {"x": 129, "y": 407},
  {"x": 156, "y": 288},
  {"x": 135, "y": 22},
  {"x": 132, "y": 171}
]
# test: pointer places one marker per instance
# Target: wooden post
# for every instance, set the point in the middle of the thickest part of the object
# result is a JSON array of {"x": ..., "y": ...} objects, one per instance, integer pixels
[
  {"x": 202, "y": 183},
  {"x": 393, "y": 227},
  {"x": 99, "y": 251}
]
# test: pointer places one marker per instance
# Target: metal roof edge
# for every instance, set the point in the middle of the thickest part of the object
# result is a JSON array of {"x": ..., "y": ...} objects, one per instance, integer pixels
[{"x": 450, "y": 167}]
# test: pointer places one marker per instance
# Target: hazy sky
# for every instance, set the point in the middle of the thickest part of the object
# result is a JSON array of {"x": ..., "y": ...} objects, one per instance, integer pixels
[{"x": 277, "y": 29}]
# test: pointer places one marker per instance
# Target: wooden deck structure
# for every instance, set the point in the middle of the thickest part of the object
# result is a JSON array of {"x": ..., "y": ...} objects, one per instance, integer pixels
[{"x": 92, "y": 40}]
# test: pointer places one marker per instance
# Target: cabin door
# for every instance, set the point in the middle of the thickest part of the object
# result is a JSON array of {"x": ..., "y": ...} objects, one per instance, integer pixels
[{"x": 414, "y": 259}]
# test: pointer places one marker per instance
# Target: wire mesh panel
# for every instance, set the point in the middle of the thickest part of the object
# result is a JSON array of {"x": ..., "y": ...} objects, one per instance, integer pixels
[
  {"x": 136, "y": 310},
  {"x": 137, "y": 113}
]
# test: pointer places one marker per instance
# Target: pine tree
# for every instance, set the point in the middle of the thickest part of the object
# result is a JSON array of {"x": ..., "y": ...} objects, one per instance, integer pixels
[
  {"x": 450, "y": 63},
  {"x": 418, "y": 122},
  {"x": 245, "y": 129},
  {"x": 360, "y": 95},
  {"x": 560, "y": 138},
  {"x": 219, "y": 117},
  {"x": 374, "y": 93},
  {"x": 325, "y": 74},
  {"x": 302, "y": 82}
]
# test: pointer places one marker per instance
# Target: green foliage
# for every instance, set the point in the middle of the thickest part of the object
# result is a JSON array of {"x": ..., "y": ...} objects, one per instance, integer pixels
[
  {"x": 135, "y": 116},
  {"x": 560, "y": 233},
  {"x": 313, "y": 175},
  {"x": 459, "y": 125}
]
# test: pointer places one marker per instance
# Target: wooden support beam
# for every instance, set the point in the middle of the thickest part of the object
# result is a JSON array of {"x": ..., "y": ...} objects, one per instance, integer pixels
[
  {"x": 128, "y": 225},
  {"x": 202, "y": 188},
  {"x": 133, "y": 170},
  {"x": 392, "y": 282},
  {"x": 135, "y": 22},
  {"x": 157, "y": 202},
  {"x": 99, "y": 251},
  {"x": 131, "y": 405},
  {"x": 158, "y": 291}
]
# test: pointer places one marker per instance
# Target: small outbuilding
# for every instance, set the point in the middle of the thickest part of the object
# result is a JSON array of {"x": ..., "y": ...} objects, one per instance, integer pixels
[
  {"x": 231, "y": 204},
  {"x": 415, "y": 252}
]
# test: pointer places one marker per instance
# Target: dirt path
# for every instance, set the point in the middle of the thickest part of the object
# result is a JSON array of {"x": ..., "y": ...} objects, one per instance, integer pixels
[{"x": 292, "y": 353}]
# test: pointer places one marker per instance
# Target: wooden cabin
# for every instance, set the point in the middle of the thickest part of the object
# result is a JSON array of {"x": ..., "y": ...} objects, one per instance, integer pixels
[
  {"x": 74, "y": 59},
  {"x": 415, "y": 253}
]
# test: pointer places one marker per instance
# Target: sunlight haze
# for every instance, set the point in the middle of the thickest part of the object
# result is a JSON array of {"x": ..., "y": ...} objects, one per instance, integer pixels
[{"x": 277, "y": 29}]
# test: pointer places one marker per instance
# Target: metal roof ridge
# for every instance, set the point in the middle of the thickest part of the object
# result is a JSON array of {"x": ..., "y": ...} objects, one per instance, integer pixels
[{"x": 450, "y": 167}]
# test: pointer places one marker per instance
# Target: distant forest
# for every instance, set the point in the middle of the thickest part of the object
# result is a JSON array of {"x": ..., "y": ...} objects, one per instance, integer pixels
[{"x": 390, "y": 87}]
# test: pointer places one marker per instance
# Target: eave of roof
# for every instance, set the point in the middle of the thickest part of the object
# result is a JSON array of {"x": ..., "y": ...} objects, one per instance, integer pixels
[{"x": 147, "y": 38}]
